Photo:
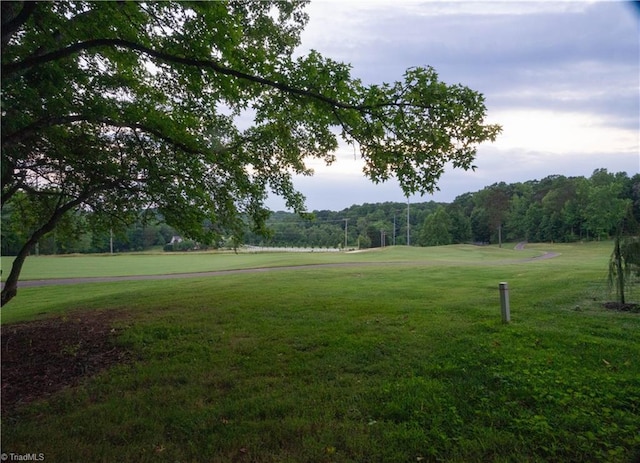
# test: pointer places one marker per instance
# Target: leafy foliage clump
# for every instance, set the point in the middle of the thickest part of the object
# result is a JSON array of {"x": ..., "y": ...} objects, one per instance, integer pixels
[
  {"x": 624, "y": 263},
  {"x": 200, "y": 110}
]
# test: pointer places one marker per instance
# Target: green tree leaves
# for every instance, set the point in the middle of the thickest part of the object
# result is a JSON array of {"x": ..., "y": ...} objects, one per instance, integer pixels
[
  {"x": 436, "y": 229},
  {"x": 413, "y": 128},
  {"x": 199, "y": 109}
]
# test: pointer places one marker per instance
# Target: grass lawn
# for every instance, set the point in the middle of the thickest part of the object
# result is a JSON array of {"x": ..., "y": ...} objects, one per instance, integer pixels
[
  {"x": 387, "y": 363},
  {"x": 106, "y": 265}
]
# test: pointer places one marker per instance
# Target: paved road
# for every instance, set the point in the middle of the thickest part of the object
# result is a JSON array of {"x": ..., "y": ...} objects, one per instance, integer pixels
[{"x": 170, "y": 276}]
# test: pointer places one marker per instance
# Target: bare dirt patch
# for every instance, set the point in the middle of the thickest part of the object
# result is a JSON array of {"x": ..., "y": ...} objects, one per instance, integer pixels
[
  {"x": 635, "y": 308},
  {"x": 41, "y": 357}
]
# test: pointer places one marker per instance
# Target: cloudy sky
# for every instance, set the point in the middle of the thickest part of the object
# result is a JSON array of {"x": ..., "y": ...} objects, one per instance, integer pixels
[{"x": 561, "y": 77}]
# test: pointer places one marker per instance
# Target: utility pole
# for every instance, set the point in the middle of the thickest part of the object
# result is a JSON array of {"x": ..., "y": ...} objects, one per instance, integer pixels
[
  {"x": 346, "y": 224},
  {"x": 408, "y": 225},
  {"x": 394, "y": 228}
]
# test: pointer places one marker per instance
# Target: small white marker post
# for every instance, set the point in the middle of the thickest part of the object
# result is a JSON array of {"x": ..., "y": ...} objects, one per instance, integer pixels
[{"x": 504, "y": 302}]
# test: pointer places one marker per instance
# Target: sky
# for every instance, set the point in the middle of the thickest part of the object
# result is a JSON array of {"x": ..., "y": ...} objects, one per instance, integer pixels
[{"x": 562, "y": 78}]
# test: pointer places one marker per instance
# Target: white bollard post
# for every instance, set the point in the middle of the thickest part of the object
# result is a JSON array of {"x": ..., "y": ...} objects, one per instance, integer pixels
[{"x": 504, "y": 302}]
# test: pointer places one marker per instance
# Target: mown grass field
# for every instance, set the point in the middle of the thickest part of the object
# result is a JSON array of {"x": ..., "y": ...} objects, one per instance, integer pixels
[
  {"x": 400, "y": 359},
  {"x": 106, "y": 265}
]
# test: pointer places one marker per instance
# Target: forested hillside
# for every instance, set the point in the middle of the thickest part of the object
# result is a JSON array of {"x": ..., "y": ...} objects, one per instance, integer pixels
[{"x": 556, "y": 208}]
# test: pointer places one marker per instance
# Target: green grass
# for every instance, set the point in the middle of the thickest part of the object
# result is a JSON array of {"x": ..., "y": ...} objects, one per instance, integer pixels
[
  {"x": 106, "y": 265},
  {"x": 387, "y": 363}
]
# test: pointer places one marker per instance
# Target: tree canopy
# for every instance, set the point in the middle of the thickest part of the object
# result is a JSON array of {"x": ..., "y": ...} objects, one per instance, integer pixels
[{"x": 200, "y": 110}]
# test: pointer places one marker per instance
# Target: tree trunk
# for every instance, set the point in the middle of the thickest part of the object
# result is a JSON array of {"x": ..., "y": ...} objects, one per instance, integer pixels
[
  {"x": 10, "y": 288},
  {"x": 619, "y": 270}
]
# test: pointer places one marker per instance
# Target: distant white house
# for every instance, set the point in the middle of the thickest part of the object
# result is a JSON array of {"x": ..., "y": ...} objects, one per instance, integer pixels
[{"x": 175, "y": 239}]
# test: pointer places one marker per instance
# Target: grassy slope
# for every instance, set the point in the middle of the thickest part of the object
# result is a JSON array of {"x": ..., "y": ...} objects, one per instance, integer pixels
[
  {"x": 372, "y": 363},
  {"x": 103, "y": 265}
]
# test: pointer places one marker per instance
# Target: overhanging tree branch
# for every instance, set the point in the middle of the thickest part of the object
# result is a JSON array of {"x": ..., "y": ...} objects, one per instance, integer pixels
[
  {"x": 11, "y": 68},
  {"x": 82, "y": 110},
  {"x": 25, "y": 132},
  {"x": 11, "y": 25}
]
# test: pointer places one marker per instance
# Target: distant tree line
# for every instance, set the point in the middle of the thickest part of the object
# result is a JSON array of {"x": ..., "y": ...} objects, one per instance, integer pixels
[
  {"x": 79, "y": 233},
  {"x": 556, "y": 208},
  {"x": 359, "y": 226}
]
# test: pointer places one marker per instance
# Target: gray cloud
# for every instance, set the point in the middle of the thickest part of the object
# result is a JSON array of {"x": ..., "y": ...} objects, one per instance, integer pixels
[
  {"x": 575, "y": 58},
  {"x": 513, "y": 57},
  {"x": 328, "y": 191}
]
